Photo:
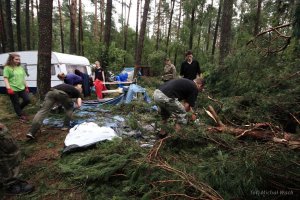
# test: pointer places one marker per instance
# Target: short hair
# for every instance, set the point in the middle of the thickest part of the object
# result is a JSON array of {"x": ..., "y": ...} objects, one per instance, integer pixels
[
  {"x": 189, "y": 52},
  {"x": 167, "y": 59},
  {"x": 61, "y": 75},
  {"x": 199, "y": 80}
]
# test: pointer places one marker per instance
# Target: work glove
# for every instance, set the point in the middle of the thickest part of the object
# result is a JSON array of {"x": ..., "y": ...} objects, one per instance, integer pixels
[
  {"x": 10, "y": 91},
  {"x": 27, "y": 89}
]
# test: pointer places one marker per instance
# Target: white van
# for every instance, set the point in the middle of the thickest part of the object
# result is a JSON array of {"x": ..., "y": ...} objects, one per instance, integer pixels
[{"x": 60, "y": 62}]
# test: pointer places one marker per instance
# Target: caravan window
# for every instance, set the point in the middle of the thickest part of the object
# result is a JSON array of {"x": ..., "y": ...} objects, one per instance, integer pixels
[
  {"x": 53, "y": 70},
  {"x": 71, "y": 68}
]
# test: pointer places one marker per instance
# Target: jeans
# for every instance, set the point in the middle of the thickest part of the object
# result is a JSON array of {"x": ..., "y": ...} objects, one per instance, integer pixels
[{"x": 133, "y": 89}]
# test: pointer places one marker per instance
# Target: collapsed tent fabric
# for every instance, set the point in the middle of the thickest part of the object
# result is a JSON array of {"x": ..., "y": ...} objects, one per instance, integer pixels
[{"x": 85, "y": 135}]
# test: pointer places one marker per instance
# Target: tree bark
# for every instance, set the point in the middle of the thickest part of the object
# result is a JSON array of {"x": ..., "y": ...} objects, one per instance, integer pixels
[
  {"x": 10, "y": 32},
  {"x": 158, "y": 26},
  {"x": 44, "y": 50},
  {"x": 170, "y": 25},
  {"x": 216, "y": 29},
  {"x": 141, "y": 37},
  {"x": 226, "y": 30},
  {"x": 257, "y": 21},
  {"x": 107, "y": 31},
  {"x": 2, "y": 31},
  {"x": 18, "y": 23},
  {"x": 96, "y": 34},
  {"x": 209, "y": 25},
  {"x": 178, "y": 30},
  {"x": 61, "y": 28},
  {"x": 126, "y": 29},
  {"x": 80, "y": 30},
  {"x": 192, "y": 28},
  {"x": 102, "y": 9},
  {"x": 27, "y": 21},
  {"x": 137, "y": 27},
  {"x": 73, "y": 10}
]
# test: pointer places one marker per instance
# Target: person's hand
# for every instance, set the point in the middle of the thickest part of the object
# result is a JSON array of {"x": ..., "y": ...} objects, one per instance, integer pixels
[
  {"x": 27, "y": 89},
  {"x": 10, "y": 91},
  {"x": 193, "y": 117}
]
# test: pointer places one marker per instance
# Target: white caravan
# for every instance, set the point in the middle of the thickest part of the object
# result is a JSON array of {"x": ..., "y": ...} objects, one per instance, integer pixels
[{"x": 60, "y": 62}]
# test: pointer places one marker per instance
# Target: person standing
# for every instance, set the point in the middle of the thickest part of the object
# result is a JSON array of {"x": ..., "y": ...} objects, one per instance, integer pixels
[
  {"x": 169, "y": 71},
  {"x": 99, "y": 72},
  {"x": 190, "y": 68},
  {"x": 15, "y": 83},
  {"x": 10, "y": 165},
  {"x": 177, "y": 96},
  {"x": 60, "y": 94}
]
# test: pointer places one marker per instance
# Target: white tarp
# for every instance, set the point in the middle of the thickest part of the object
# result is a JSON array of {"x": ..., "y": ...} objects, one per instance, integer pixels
[{"x": 88, "y": 133}]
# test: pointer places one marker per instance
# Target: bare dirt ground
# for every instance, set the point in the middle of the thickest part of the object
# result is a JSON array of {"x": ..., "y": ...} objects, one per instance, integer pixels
[{"x": 39, "y": 158}]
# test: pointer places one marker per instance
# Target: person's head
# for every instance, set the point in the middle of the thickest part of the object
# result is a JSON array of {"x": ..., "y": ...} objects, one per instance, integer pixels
[
  {"x": 13, "y": 59},
  {"x": 97, "y": 63},
  {"x": 61, "y": 76},
  {"x": 189, "y": 55},
  {"x": 167, "y": 61},
  {"x": 77, "y": 72},
  {"x": 199, "y": 83}
]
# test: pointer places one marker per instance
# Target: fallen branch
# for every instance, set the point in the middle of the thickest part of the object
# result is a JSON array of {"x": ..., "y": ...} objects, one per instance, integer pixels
[{"x": 260, "y": 131}]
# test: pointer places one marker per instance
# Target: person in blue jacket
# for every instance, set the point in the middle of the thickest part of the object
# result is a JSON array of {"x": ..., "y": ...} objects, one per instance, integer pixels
[{"x": 70, "y": 79}]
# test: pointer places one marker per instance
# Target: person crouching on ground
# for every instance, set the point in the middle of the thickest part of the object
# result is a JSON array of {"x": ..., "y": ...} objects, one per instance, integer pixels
[
  {"x": 170, "y": 95},
  {"x": 71, "y": 79},
  {"x": 60, "y": 94},
  {"x": 10, "y": 158}
]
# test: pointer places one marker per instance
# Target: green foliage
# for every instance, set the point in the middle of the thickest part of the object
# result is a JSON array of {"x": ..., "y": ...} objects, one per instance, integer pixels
[{"x": 156, "y": 61}]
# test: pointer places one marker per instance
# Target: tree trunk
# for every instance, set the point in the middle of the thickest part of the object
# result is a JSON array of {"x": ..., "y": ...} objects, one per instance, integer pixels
[
  {"x": 226, "y": 30},
  {"x": 2, "y": 31},
  {"x": 142, "y": 35},
  {"x": 209, "y": 25},
  {"x": 107, "y": 30},
  {"x": 257, "y": 21},
  {"x": 10, "y": 32},
  {"x": 96, "y": 34},
  {"x": 170, "y": 25},
  {"x": 216, "y": 29},
  {"x": 18, "y": 22},
  {"x": 32, "y": 26},
  {"x": 192, "y": 28},
  {"x": 126, "y": 29},
  {"x": 178, "y": 31},
  {"x": 73, "y": 10},
  {"x": 27, "y": 22},
  {"x": 158, "y": 26},
  {"x": 80, "y": 30},
  {"x": 44, "y": 51},
  {"x": 137, "y": 27},
  {"x": 61, "y": 28},
  {"x": 102, "y": 10}
]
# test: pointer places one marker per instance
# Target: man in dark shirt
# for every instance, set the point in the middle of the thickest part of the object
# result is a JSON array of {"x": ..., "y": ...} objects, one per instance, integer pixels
[
  {"x": 190, "y": 68},
  {"x": 60, "y": 94},
  {"x": 170, "y": 95}
]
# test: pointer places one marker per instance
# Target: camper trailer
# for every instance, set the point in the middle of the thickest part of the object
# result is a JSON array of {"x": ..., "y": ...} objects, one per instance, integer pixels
[{"x": 60, "y": 62}]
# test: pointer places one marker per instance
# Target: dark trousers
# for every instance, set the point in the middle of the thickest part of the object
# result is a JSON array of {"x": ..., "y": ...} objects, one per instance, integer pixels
[{"x": 18, "y": 107}]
